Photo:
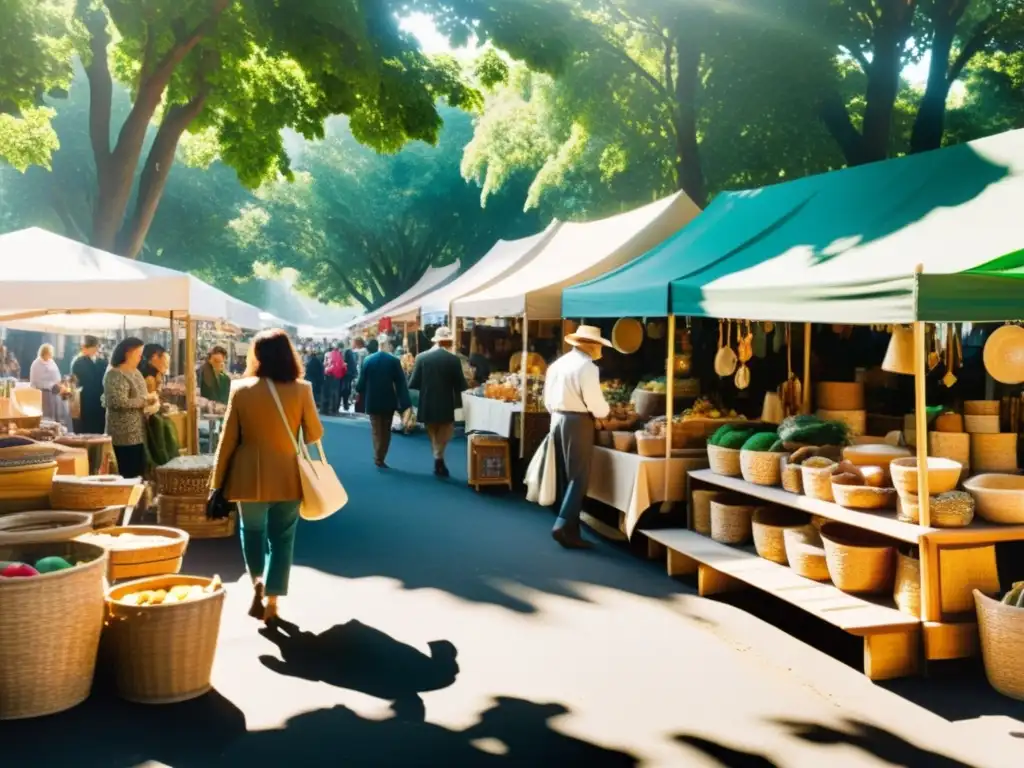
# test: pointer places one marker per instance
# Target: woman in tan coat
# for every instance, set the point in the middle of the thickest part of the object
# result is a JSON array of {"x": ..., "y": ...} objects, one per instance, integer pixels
[{"x": 256, "y": 462}]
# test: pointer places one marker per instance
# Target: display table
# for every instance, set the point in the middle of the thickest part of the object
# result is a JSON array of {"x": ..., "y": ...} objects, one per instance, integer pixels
[
  {"x": 632, "y": 483},
  {"x": 485, "y": 415}
]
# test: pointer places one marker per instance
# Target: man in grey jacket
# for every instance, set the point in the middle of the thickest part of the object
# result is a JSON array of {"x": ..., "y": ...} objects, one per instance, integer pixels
[{"x": 437, "y": 374}]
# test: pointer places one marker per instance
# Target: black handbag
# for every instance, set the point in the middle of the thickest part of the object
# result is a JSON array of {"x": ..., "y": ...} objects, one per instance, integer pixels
[{"x": 218, "y": 507}]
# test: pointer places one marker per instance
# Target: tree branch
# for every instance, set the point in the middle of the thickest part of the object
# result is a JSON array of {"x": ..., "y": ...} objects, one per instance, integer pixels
[
  {"x": 972, "y": 47},
  {"x": 836, "y": 118},
  {"x": 101, "y": 87},
  {"x": 353, "y": 291}
]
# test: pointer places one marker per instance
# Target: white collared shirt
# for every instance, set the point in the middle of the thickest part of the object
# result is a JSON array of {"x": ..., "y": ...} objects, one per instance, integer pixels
[{"x": 573, "y": 384}]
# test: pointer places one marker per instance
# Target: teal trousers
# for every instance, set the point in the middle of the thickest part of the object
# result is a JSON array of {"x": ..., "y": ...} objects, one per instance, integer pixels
[{"x": 268, "y": 542}]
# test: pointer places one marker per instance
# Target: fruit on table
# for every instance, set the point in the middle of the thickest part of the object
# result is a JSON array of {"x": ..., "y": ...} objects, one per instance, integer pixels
[
  {"x": 52, "y": 564},
  {"x": 18, "y": 570},
  {"x": 179, "y": 593}
]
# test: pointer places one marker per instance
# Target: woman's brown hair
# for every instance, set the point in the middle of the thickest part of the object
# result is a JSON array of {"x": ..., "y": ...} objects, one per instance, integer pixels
[{"x": 272, "y": 356}]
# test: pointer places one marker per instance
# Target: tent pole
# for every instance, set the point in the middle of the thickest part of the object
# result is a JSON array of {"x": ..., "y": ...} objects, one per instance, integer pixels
[
  {"x": 524, "y": 374},
  {"x": 670, "y": 398},
  {"x": 805, "y": 407},
  {"x": 190, "y": 386},
  {"x": 929, "y": 611}
]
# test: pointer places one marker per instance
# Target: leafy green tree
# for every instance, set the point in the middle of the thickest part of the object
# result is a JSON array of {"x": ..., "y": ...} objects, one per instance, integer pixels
[{"x": 360, "y": 225}]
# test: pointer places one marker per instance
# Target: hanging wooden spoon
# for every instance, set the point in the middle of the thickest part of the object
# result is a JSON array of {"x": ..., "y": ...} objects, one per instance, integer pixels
[
  {"x": 935, "y": 355},
  {"x": 950, "y": 378}
]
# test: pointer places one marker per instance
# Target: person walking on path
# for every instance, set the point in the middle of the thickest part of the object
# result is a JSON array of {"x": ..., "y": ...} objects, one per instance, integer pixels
[
  {"x": 383, "y": 390},
  {"x": 87, "y": 370},
  {"x": 334, "y": 371},
  {"x": 315, "y": 376},
  {"x": 125, "y": 398},
  {"x": 437, "y": 375},
  {"x": 573, "y": 396},
  {"x": 349, "y": 379},
  {"x": 256, "y": 463}
]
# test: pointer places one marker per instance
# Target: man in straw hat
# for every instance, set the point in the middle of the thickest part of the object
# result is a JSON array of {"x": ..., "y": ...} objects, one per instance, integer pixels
[
  {"x": 572, "y": 393},
  {"x": 437, "y": 374}
]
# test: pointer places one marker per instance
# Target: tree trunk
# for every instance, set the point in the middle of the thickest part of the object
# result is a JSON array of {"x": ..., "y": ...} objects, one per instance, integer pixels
[
  {"x": 689, "y": 171},
  {"x": 891, "y": 34}
]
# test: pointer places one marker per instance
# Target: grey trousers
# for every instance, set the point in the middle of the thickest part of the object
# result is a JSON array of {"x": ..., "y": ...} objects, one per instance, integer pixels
[{"x": 573, "y": 434}]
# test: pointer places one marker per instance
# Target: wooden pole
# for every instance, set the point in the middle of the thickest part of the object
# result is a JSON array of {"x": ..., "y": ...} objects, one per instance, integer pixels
[
  {"x": 806, "y": 405},
  {"x": 524, "y": 374},
  {"x": 921, "y": 423},
  {"x": 670, "y": 400},
  {"x": 190, "y": 386}
]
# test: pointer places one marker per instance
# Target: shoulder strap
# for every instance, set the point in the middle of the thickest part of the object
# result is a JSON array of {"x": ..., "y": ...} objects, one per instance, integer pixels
[{"x": 284, "y": 419}]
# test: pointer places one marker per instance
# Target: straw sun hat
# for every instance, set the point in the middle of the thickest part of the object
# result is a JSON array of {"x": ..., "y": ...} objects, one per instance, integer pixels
[
  {"x": 1004, "y": 354},
  {"x": 587, "y": 334}
]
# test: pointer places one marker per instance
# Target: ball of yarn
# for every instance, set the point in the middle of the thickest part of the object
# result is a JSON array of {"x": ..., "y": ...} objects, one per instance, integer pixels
[
  {"x": 18, "y": 570},
  {"x": 51, "y": 564}
]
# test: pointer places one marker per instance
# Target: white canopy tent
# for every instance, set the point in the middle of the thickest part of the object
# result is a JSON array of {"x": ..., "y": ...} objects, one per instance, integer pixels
[
  {"x": 433, "y": 278},
  {"x": 575, "y": 253},
  {"x": 57, "y": 285},
  {"x": 505, "y": 257}
]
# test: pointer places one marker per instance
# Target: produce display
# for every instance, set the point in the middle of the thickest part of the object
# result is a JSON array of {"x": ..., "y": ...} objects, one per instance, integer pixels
[
  {"x": 811, "y": 430},
  {"x": 703, "y": 408},
  {"x": 658, "y": 385},
  {"x": 735, "y": 436},
  {"x": 181, "y": 593},
  {"x": 616, "y": 391},
  {"x": 763, "y": 441},
  {"x": 507, "y": 388}
]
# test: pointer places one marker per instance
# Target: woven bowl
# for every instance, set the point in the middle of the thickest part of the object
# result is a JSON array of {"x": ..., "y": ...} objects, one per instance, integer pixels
[
  {"x": 724, "y": 461},
  {"x": 998, "y": 498},
  {"x": 761, "y": 467},
  {"x": 805, "y": 553},
  {"x": 943, "y": 475},
  {"x": 863, "y": 496},
  {"x": 1001, "y": 628},
  {"x": 817, "y": 478},
  {"x": 44, "y": 525},
  {"x": 769, "y": 525},
  {"x": 953, "y": 509},
  {"x": 858, "y": 561},
  {"x": 732, "y": 520}
]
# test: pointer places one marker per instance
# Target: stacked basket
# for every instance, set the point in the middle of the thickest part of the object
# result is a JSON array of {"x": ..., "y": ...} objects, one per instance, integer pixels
[
  {"x": 184, "y": 485},
  {"x": 104, "y": 497}
]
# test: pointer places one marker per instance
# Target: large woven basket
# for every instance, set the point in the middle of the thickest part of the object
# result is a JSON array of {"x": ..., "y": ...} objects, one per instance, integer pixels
[
  {"x": 702, "y": 510},
  {"x": 817, "y": 480},
  {"x": 185, "y": 476},
  {"x": 981, "y": 425},
  {"x": 804, "y": 552},
  {"x": 731, "y": 520},
  {"x": 981, "y": 407},
  {"x": 50, "y": 630},
  {"x": 951, "y": 445},
  {"x": 1002, "y": 644},
  {"x": 189, "y": 514},
  {"x": 724, "y": 461},
  {"x": 27, "y": 487},
  {"x": 907, "y": 591},
  {"x": 106, "y": 517},
  {"x": 841, "y": 395},
  {"x": 994, "y": 453},
  {"x": 858, "y": 561},
  {"x": 954, "y": 509},
  {"x": 43, "y": 525},
  {"x": 91, "y": 492},
  {"x": 149, "y": 560},
  {"x": 769, "y": 525},
  {"x": 998, "y": 498},
  {"x": 162, "y": 654},
  {"x": 761, "y": 467}
]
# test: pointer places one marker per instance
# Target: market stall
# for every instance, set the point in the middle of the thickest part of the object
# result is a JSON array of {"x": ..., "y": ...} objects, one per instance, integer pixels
[
  {"x": 575, "y": 252},
  {"x": 889, "y": 537},
  {"x": 432, "y": 278}
]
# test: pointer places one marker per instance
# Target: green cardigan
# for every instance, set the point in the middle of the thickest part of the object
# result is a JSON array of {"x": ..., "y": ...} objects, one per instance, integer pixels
[{"x": 214, "y": 386}]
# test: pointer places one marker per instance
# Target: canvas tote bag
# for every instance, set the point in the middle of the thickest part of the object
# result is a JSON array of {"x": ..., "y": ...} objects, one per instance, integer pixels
[{"x": 322, "y": 491}]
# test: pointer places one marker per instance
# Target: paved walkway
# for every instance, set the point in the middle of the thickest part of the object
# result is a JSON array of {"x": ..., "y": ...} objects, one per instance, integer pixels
[{"x": 438, "y": 627}]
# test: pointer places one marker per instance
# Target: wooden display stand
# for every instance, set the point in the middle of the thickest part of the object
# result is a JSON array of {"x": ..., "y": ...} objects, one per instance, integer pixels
[{"x": 490, "y": 461}]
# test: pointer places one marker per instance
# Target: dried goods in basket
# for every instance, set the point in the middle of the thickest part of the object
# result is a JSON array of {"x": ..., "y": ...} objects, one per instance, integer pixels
[
  {"x": 49, "y": 629},
  {"x": 953, "y": 509},
  {"x": 998, "y": 498},
  {"x": 849, "y": 491},
  {"x": 91, "y": 492}
]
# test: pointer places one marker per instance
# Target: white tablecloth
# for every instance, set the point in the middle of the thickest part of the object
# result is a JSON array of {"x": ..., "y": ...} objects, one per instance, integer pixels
[{"x": 484, "y": 415}]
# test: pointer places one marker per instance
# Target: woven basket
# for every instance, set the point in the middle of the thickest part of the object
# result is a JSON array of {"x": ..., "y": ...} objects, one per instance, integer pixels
[
  {"x": 907, "y": 590},
  {"x": 994, "y": 453},
  {"x": 153, "y": 560},
  {"x": 623, "y": 441},
  {"x": 998, "y": 498},
  {"x": 648, "y": 445},
  {"x": 724, "y": 461},
  {"x": 841, "y": 395},
  {"x": 761, "y": 467},
  {"x": 856, "y": 420},
  {"x": 792, "y": 477},
  {"x": 863, "y": 496},
  {"x": 951, "y": 445},
  {"x": 40, "y": 526},
  {"x": 817, "y": 480},
  {"x": 953, "y": 509},
  {"x": 858, "y": 561},
  {"x": 185, "y": 476},
  {"x": 981, "y": 425},
  {"x": 732, "y": 520},
  {"x": 702, "y": 510},
  {"x": 28, "y": 487},
  {"x": 106, "y": 517},
  {"x": 769, "y": 525},
  {"x": 189, "y": 514},
  {"x": 1002, "y": 644},
  {"x": 804, "y": 552},
  {"x": 162, "y": 654},
  {"x": 50, "y": 630},
  {"x": 981, "y": 407},
  {"x": 943, "y": 475},
  {"x": 92, "y": 492}
]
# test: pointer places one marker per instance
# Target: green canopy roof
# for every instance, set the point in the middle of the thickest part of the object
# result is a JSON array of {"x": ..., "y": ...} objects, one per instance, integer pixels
[{"x": 843, "y": 247}]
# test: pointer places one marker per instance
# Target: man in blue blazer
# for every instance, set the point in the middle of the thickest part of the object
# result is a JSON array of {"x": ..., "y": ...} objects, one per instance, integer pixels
[{"x": 384, "y": 390}]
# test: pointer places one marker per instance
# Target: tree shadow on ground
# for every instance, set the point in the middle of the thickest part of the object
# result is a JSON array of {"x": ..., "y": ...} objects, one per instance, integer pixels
[
  {"x": 870, "y": 739},
  {"x": 364, "y": 659},
  {"x": 408, "y": 525}
]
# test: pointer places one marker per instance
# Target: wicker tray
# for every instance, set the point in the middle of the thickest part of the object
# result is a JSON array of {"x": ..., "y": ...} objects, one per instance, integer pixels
[
  {"x": 162, "y": 654},
  {"x": 50, "y": 630},
  {"x": 43, "y": 526},
  {"x": 92, "y": 492},
  {"x": 189, "y": 514},
  {"x": 155, "y": 560},
  {"x": 185, "y": 476}
]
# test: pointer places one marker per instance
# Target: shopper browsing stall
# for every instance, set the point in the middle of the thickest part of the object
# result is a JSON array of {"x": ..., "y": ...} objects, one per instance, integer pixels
[
  {"x": 125, "y": 398},
  {"x": 573, "y": 396},
  {"x": 44, "y": 375},
  {"x": 87, "y": 369},
  {"x": 214, "y": 382}
]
